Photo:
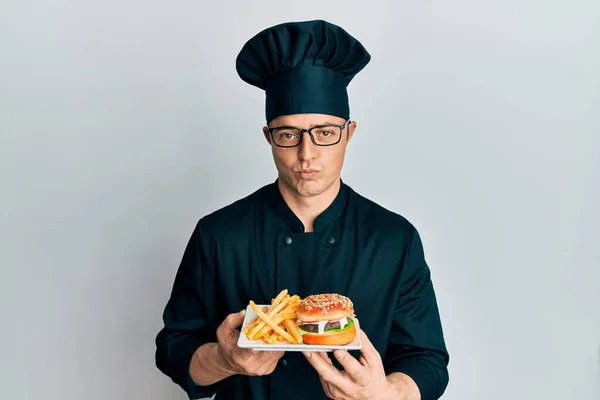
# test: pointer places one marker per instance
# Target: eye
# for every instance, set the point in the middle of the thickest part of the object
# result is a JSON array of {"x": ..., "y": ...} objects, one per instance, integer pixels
[
  {"x": 287, "y": 135},
  {"x": 326, "y": 133}
]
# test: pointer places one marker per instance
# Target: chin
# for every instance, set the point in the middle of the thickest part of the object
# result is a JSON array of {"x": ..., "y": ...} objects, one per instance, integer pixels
[
  {"x": 308, "y": 188},
  {"x": 326, "y": 319},
  {"x": 303, "y": 187}
]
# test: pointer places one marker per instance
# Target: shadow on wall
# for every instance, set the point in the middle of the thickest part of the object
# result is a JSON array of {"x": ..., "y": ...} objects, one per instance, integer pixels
[
  {"x": 174, "y": 203},
  {"x": 196, "y": 188}
]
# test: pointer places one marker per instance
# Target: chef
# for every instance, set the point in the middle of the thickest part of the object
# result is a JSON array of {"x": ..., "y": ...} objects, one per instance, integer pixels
[{"x": 308, "y": 232}]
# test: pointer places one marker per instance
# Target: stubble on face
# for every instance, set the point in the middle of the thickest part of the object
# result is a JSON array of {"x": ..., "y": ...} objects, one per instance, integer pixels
[{"x": 309, "y": 170}]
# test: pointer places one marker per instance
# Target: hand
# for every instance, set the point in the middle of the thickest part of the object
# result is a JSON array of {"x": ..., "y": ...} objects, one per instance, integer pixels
[
  {"x": 235, "y": 360},
  {"x": 361, "y": 379}
]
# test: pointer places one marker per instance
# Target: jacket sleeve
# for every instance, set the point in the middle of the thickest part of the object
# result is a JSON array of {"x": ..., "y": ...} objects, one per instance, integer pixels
[
  {"x": 416, "y": 346},
  {"x": 189, "y": 317}
]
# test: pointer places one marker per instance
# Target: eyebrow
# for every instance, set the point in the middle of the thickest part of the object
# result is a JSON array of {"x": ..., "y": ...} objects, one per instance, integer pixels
[{"x": 312, "y": 126}]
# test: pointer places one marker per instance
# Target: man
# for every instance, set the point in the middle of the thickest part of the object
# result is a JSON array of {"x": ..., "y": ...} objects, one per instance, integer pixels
[{"x": 310, "y": 233}]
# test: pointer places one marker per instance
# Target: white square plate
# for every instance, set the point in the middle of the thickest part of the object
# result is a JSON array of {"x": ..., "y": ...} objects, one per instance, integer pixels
[{"x": 259, "y": 344}]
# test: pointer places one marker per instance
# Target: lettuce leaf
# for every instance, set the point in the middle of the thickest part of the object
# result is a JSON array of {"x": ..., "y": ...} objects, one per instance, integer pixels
[{"x": 350, "y": 324}]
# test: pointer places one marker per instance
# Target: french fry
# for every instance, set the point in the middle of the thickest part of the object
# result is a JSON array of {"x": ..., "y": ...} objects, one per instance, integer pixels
[
  {"x": 247, "y": 329},
  {"x": 276, "y": 319},
  {"x": 279, "y": 297},
  {"x": 267, "y": 320},
  {"x": 267, "y": 328},
  {"x": 291, "y": 328},
  {"x": 275, "y": 322},
  {"x": 272, "y": 312}
]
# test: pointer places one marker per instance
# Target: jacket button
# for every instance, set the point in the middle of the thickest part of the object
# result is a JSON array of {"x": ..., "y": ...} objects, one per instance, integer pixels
[
  {"x": 331, "y": 240},
  {"x": 287, "y": 240},
  {"x": 282, "y": 362}
]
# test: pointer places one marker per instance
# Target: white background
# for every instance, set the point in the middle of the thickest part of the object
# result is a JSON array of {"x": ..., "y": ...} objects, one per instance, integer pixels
[{"x": 123, "y": 121}]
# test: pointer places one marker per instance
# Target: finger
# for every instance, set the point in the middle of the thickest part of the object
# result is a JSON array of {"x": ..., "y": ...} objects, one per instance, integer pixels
[
  {"x": 328, "y": 372},
  {"x": 363, "y": 361},
  {"x": 337, "y": 394},
  {"x": 326, "y": 388},
  {"x": 246, "y": 354},
  {"x": 357, "y": 372},
  {"x": 226, "y": 331},
  {"x": 263, "y": 363},
  {"x": 231, "y": 322},
  {"x": 270, "y": 356},
  {"x": 368, "y": 351},
  {"x": 321, "y": 354},
  {"x": 234, "y": 320},
  {"x": 324, "y": 355}
]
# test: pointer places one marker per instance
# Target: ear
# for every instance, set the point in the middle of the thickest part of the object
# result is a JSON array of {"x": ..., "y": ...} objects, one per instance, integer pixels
[
  {"x": 266, "y": 133},
  {"x": 351, "y": 128}
]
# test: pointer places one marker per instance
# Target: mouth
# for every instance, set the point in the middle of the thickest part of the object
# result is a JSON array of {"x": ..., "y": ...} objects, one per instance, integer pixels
[{"x": 308, "y": 173}]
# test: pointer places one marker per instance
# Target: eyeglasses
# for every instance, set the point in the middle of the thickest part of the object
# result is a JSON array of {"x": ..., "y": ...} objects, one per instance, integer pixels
[{"x": 322, "y": 135}]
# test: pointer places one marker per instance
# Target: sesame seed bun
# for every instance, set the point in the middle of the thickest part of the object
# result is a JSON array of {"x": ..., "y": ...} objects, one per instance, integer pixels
[
  {"x": 328, "y": 306},
  {"x": 339, "y": 338}
]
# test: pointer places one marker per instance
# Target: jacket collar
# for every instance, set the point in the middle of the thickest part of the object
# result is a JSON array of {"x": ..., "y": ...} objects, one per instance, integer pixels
[{"x": 330, "y": 216}]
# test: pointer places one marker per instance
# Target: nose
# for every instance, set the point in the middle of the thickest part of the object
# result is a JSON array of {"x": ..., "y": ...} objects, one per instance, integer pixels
[{"x": 307, "y": 150}]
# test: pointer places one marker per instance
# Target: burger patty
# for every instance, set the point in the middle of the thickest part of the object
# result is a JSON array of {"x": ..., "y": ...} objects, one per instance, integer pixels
[{"x": 314, "y": 328}]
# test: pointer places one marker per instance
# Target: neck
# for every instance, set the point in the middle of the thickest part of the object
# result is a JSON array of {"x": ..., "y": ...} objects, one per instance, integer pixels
[{"x": 308, "y": 208}]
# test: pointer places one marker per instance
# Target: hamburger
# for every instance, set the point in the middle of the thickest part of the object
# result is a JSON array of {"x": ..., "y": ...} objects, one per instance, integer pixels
[{"x": 326, "y": 319}]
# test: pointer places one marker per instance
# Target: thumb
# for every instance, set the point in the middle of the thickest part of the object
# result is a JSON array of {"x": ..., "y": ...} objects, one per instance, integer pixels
[{"x": 235, "y": 319}]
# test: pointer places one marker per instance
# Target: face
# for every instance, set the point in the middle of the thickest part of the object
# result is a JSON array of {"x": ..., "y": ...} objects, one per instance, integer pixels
[{"x": 308, "y": 169}]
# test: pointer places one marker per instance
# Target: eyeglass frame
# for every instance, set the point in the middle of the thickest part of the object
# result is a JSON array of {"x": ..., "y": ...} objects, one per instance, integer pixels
[{"x": 309, "y": 131}]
